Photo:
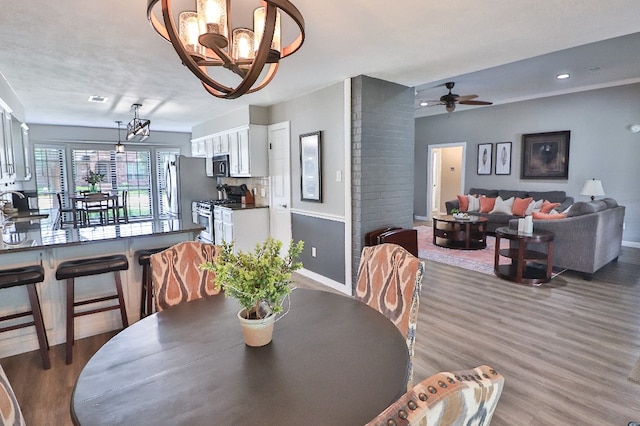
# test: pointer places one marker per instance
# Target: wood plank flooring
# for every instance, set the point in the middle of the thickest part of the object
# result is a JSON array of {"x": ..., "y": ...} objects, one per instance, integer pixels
[{"x": 565, "y": 348}]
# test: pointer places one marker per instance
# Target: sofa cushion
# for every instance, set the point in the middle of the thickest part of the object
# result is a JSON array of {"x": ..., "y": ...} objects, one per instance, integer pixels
[
  {"x": 548, "y": 216},
  {"x": 507, "y": 193},
  {"x": 548, "y": 206},
  {"x": 503, "y": 206},
  {"x": 583, "y": 207},
  {"x": 463, "y": 200},
  {"x": 553, "y": 196},
  {"x": 487, "y": 204},
  {"x": 474, "y": 203},
  {"x": 487, "y": 192},
  {"x": 610, "y": 202},
  {"x": 520, "y": 206}
]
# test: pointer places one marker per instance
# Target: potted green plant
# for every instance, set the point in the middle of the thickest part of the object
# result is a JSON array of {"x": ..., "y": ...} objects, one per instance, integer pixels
[
  {"x": 92, "y": 179},
  {"x": 260, "y": 280}
]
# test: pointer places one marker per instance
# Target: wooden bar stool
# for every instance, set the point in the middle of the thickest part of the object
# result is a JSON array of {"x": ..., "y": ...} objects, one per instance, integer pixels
[
  {"x": 144, "y": 259},
  {"x": 72, "y": 269},
  {"x": 28, "y": 276}
]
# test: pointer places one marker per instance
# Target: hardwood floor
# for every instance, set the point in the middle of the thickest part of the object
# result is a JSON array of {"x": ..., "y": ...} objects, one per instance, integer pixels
[{"x": 565, "y": 349}]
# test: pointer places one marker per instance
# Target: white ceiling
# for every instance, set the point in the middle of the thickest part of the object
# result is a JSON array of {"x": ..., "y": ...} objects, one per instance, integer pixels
[{"x": 57, "y": 54}]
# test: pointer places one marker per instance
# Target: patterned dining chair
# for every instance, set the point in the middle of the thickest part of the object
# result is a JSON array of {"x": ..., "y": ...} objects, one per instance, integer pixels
[
  {"x": 389, "y": 280},
  {"x": 177, "y": 277},
  {"x": 10, "y": 413},
  {"x": 467, "y": 397}
]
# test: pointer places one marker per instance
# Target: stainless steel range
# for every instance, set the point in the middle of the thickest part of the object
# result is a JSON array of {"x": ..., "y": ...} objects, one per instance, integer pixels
[{"x": 204, "y": 210}]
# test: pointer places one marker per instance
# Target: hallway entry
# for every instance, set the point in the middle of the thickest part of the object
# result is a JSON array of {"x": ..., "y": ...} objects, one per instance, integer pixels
[{"x": 445, "y": 175}]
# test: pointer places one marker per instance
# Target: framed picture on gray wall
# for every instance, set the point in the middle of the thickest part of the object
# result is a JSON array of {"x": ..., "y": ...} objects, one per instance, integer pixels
[
  {"x": 545, "y": 155},
  {"x": 503, "y": 158},
  {"x": 310, "y": 167},
  {"x": 485, "y": 155}
]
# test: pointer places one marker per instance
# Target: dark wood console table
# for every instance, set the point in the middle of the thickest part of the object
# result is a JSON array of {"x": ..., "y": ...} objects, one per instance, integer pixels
[
  {"x": 518, "y": 270},
  {"x": 464, "y": 234}
]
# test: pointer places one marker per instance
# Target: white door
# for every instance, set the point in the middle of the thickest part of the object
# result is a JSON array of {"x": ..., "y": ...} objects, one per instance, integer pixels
[{"x": 280, "y": 182}]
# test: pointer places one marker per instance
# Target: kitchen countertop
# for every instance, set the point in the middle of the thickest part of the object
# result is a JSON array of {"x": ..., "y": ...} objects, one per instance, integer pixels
[
  {"x": 239, "y": 206},
  {"x": 46, "y": 236}
]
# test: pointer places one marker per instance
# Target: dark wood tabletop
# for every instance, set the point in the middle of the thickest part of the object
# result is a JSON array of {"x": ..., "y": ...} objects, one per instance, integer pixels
[{"x": 333, "y": 361}]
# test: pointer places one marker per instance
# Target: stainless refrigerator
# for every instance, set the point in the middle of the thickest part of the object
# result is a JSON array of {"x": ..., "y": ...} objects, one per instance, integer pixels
[{"x": 186, "y": 181}]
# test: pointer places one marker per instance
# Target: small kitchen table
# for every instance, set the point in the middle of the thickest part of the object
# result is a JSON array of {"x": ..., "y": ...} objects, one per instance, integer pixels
[{"x": 333, "y": 361}]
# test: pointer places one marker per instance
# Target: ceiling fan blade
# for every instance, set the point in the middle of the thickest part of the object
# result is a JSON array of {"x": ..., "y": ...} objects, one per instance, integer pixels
[
  {"x": 466, "y": 97},
  {"x": 437, "y": 103},
  {"x": 475, "y": 103}
]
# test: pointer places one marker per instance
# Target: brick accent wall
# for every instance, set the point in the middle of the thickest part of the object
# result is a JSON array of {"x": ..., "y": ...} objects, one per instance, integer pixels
[{"x": 382, "y": 149}]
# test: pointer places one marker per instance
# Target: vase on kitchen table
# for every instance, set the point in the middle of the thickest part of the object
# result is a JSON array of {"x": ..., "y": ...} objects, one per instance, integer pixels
[{"x": 93, "y": 188}]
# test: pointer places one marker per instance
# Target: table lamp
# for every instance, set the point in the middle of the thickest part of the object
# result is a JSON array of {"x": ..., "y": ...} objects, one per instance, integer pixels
[{"x": 592, "y": 187}]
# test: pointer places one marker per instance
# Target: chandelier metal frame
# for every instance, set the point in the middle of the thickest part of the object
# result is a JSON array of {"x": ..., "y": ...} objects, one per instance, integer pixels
[{"x": 248, "y": 70}]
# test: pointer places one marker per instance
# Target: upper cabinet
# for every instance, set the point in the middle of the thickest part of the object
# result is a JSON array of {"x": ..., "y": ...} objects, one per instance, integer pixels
[
  {"x": 22, "y": 151},
  {"x": 246, "y": 147},
  {"x": 7, "y": 163}
]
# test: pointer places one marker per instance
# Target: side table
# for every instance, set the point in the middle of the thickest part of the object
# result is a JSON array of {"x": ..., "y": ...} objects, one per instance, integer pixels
[{"x": 518, "y": 270}]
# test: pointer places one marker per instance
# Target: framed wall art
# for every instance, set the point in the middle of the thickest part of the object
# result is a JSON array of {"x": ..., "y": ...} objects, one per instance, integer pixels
[
  {"x": 311, "y": 167},
  {"x": 545, "y": 155},
  {"x": 484, "y": 158},
  {"x": 503, "y": 158}
]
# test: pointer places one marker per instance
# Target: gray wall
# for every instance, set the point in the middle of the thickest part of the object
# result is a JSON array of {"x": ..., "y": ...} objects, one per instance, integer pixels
[
  {"x": 382, "y": 149},
  {"x": 321, "y": 110},
  {"x": 601, "y": 146}
]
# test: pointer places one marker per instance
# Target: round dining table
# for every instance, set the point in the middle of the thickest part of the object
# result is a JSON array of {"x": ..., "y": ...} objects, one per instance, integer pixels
[{"x": 333, "y": 361}]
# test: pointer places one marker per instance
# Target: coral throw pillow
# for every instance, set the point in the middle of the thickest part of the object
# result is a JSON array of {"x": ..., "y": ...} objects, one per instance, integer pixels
[
  {"x": 463, "y": 200},
  {"x": 487, "y": 204},
  {"x": 547, "y": 216},
  {"x": 520, "y": 206},
  {"x": 502, "y": 206},
  {"x": 548, "y": 206}
]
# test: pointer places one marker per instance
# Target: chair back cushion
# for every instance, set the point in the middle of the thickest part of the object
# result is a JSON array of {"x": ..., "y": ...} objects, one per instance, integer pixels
[
  {"x": 177, "y": 277},
  {"x": 466, "y": 397},
  {"x": 10, "y": 413},
  {"x": 389, "y": 280}
]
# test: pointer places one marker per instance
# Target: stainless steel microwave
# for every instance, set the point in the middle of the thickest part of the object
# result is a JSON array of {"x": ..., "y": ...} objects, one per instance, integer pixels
[{"x": 218, "y": 166}]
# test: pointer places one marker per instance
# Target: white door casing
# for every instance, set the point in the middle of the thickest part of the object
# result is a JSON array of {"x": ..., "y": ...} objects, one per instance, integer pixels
[{"x": 280, "y": 182}]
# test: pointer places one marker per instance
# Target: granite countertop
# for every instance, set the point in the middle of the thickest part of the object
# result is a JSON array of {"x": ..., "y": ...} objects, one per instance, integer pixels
[
  {"x": 239, "y": 206},
  {"x": 46, "y": 236}
]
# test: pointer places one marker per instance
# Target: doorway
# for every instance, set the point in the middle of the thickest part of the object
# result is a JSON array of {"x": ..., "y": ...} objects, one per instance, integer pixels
[
  {"x": 445, "y": 177},
  {"x": 280, "y": 183}
]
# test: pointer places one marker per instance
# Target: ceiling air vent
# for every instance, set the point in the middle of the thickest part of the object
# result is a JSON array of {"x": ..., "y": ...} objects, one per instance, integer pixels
[{"x": 97, "y": 99}]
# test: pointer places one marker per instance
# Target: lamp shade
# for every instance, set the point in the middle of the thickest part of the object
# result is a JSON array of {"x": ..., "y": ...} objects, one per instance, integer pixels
[{"x": 592, "y": 187}]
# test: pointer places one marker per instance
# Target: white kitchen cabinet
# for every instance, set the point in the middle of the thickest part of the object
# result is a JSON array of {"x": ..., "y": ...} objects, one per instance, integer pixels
[
  {"x": 21, "y": 151},
  {"x": 198, "y": 148},
  {"x": 248, "y": 153},
  {"x": 246, "y": 227},
  {"x": 7, "y": 163},
  {"x": 220, "y": 144}
]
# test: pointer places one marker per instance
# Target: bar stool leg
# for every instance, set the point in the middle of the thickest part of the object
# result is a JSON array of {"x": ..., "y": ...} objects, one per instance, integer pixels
[
  {"x": 143, "y": 295},
  {"x": 149, "y": 291},
  {"x": 70, "y": 321},
  {"x": 39, "y": 324},
  {"x": 123, "y": 312}
]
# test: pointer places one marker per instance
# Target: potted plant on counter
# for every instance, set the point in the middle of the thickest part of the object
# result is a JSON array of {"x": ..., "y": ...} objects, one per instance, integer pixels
[{"x": 259, "y": 280}]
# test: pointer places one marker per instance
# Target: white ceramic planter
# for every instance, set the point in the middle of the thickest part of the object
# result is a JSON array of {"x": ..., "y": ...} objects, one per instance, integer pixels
[{"x": 257, "y": 332}]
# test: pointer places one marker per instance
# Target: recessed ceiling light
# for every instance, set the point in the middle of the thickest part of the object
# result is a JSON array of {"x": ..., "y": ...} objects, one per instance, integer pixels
[
  {"x": 562, "y": 76},
  {"x": 424, "y": 103},
  {"x": 97, "y": 99}
]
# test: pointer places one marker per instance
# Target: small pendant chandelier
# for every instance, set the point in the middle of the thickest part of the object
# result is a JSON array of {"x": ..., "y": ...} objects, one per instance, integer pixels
[
  {"x": 204, "y": 38},
  {"x": 119, "y": 145}
]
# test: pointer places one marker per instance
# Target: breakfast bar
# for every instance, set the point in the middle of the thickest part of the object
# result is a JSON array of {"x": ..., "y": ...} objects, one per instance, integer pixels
[{"x": 37, "y": 241}]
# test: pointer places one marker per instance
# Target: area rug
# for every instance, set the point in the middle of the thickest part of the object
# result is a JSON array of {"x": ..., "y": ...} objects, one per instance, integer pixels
[
  {"x": 474, "y": 260},
  {"x": 634, "y": 376}
]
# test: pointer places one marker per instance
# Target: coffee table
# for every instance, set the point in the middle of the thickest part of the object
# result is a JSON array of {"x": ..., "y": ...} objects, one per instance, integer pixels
[
  {"x": 518, "y": 270},
  {"x": 463, "y": 234}
]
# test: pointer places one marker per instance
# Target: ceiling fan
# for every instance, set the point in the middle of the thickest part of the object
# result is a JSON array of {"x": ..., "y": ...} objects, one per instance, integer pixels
[{"x": 451, "y": 99}]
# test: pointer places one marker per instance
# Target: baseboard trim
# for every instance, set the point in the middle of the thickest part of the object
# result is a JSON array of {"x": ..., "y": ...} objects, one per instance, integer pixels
[
  {"x": 631, "y": 244},
  {"x": 321, "y": 279}
]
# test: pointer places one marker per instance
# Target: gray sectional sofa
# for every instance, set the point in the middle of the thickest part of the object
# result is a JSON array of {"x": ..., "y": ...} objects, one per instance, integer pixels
[
  {"x": 498, "y": 219},
  {"x": 586, "y": 240}
]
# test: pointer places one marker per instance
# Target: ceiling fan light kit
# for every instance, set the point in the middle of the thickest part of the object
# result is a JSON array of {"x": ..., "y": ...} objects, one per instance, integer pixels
[
  {"x": 451, "y": 99},
  {"x": 205, "y": 39}
]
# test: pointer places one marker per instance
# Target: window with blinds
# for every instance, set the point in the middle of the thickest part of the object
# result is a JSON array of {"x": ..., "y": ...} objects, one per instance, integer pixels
[
  {"x": 162, "y": 158},
  {"x": 130, "y": 171},
  {"x": 50, "y": 176}
]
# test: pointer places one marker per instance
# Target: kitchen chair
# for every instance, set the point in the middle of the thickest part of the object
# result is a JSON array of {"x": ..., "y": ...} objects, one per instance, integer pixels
[
  {"x": 100, "y": 203},
  {"x": 389, "y": 280},
  {"x": 10, "y": 413},
  {"x": 467, "y": 397},
  {"x": 121, "y": 205},
  {"x": 68, "y": 211},
  {"x": 177, "y": 277}
]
